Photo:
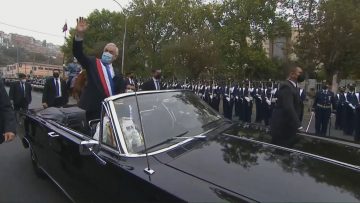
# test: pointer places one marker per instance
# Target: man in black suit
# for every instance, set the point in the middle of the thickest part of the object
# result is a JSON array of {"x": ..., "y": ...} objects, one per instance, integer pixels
[
  {"x": 285, "y": 121},
  {"x": 102, "y": 81},
  {"x": 20, "y": 93},
  {"x": 154, "y": 83},
  {"x": 55, "y": 92},
  {"x": 130, "y": 82},
  {"x": 7, "y": 117}
]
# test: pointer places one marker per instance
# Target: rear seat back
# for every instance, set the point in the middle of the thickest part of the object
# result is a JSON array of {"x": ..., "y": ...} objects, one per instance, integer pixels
[{"x": 72, "y": 117}]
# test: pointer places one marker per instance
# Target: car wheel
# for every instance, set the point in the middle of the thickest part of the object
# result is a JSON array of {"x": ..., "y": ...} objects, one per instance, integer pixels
[{"x": 38, "y": 172}]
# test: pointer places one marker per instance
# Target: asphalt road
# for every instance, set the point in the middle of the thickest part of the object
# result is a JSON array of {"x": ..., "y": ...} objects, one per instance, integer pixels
[{"x": 18, "y": 182}]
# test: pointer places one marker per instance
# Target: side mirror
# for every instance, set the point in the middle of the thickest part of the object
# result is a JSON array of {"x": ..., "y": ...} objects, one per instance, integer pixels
[
  {"x": 86, "y": 147},
  {"x": 90, "y": 147}
]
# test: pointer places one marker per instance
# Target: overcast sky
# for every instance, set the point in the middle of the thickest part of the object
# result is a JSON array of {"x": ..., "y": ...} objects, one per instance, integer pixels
[{"x": 48, "y": 16}]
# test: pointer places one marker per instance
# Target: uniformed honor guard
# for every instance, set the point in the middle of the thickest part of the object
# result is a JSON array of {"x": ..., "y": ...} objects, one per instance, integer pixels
[
  {"x": 352, "y": 100},
  {"x": 324, "y": 100},
  {"x": 258, "y": 96},
  {"x": 237, "y": 100},
  {"x": 340, "y": 108},
  {"x": 228, "y": 101},
  {"x": 266, "y": 104},
  {"x": 215, "y": 97},
  {"x": 248, "y": 103}
]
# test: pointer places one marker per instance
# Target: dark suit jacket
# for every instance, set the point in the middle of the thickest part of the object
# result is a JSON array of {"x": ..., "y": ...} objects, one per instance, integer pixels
[
  {"x": 7, "y": 116},
  {"x": 150, "y": 85},
  {"x": 49, "y": 92},
  {"x": 16, "y": 93},
  {"x": 286, "y": 115},
  {"x": 93, "y": 93}
]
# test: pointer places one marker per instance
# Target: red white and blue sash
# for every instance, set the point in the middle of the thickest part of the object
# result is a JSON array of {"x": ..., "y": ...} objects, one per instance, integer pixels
[{"x": 105, "y": 78}]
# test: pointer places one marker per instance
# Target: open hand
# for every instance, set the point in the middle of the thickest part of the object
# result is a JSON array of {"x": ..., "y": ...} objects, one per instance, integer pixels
[
  {"x": 9, "y": 136},
  {"x": 81, "y": 26}
]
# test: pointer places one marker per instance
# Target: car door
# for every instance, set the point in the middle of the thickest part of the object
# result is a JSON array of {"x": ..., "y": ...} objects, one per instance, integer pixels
[
  {"x": 36, "y": 134},
  {"x": 61, "y": 149},
  {"x": 86, "y": 178}
]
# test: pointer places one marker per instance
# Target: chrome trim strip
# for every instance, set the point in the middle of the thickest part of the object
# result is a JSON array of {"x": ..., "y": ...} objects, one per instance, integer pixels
[
  {"x": 106, "y": 106},
  {"x": 57, "y": 184},
  {"x": 141, "y": 93},
  {"x": 298, "y": 151},
  {"x": 344, "y": 142},
  {"x": 159, "y": 151},
  {"x": 69, "y": 130},
  {"x": 112, "y": 150},
  {"x": 172, "y": 146}
]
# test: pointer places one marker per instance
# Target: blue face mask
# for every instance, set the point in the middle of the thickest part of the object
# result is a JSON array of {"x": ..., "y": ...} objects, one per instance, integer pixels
[{"x": 106, "y": 58}]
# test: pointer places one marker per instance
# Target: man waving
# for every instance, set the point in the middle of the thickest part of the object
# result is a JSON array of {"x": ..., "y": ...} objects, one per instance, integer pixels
[{"x": 102, "y": 81}]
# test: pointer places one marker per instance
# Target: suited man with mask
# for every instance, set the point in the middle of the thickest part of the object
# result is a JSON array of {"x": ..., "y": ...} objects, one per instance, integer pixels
[
  {"x": 102, "y": 81},
  {"x": 285, "y": 121},
  {"x": 55, "y": 93},
  {"x": 20, "y": 93},
  {"x": 154, "y": 83}
]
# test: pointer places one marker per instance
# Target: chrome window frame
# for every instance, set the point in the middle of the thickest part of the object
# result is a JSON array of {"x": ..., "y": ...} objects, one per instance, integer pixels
[
  {"x": 119, "y": 133},
  {"x": 106, "y": 109}
]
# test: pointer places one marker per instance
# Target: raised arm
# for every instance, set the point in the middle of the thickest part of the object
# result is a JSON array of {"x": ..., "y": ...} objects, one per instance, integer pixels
[{"x": 80, "y": 30}]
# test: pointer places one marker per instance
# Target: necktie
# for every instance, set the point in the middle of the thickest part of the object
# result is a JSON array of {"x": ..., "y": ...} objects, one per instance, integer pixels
[
  {"x": 57, "y": 88},
  {"x": 157, "y": 85}
]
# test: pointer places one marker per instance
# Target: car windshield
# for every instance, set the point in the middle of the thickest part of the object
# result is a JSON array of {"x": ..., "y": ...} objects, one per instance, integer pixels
[{"x": 167, "y": 117}]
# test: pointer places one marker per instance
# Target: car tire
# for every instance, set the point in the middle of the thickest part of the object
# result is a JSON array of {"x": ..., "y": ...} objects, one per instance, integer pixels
[{"x": 38, "y": 171}]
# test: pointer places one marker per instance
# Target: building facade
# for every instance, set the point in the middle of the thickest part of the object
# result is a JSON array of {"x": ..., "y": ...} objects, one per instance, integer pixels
[{"x": 33, "y": 70}]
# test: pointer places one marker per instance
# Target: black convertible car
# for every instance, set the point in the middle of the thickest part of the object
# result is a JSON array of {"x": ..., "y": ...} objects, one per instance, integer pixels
[{"x": 170, "y": 146}]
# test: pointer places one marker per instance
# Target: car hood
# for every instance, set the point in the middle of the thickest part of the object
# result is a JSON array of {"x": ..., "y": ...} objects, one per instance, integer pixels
[{"x": 264, "y": 173}]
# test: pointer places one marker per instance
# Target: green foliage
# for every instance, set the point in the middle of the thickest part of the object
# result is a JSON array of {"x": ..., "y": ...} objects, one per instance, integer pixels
[
  {"x": 329, "y": 36},
  {"x": 190, "y": 38}
]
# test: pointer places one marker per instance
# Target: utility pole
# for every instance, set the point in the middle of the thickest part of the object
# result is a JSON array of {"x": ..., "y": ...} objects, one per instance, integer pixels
[
  {"x": 17, "y": 59},
  {"x": 124, "y": 37}
]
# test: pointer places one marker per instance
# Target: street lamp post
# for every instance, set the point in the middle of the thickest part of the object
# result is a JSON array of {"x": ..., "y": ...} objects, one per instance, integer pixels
[
  {"x": 245, "y": 66},
  {"x": 124, "y": 37}
]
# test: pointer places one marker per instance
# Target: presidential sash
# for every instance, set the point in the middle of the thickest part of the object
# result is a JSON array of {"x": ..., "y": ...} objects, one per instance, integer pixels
[{"x": 105, "y": 78}]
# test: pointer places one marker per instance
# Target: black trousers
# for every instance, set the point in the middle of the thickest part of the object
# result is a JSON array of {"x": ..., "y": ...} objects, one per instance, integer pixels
[
  {"x": 339, "y": 117},
  {"x": 228, "y": 108},
  {"x": 357, "y": 122},
  {"x": 350, "y": 121},
  {"x": 23, "y": 105},
  {"x": 237, "y": 105},
  {"x": 259, "y": 111},
  {"x": 322, "y": 117},
  {"x": 247, "y": 109},
  {"x": 266, "y": 113}
]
